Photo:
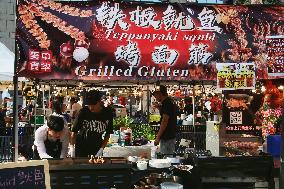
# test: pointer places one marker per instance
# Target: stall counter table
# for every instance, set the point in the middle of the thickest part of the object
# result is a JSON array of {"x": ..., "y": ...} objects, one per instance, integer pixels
[
  {"x": 235, "y": 172},
  {"x": 82, "y": 175}
]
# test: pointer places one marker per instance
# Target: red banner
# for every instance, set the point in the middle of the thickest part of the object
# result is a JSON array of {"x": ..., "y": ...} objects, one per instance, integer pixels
[{"x": 122, "y": 41}]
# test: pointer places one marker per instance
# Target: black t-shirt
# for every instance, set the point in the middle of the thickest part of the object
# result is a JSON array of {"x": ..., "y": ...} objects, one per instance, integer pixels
[
  {"x": 169, "y": 108},
  {"x": 90, "y": 127},
  {"x": 188, "y": 109}
]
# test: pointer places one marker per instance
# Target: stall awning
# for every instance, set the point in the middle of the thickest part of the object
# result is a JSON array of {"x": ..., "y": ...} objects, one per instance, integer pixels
[{"x": 6, "y": 63}]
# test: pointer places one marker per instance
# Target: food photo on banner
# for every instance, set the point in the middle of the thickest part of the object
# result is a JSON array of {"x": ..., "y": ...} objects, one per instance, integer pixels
[
  {"x": 118, "y": 41},
  {"x": 275, "y": 52}
]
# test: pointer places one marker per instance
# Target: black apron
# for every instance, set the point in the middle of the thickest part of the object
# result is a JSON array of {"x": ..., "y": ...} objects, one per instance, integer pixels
[{"x": 53, "y": 148}]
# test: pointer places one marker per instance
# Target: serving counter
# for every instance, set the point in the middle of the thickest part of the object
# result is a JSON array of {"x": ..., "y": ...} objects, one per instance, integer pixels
[
  {"x": 79, "y": 173},
  {"x": 207, "y": 172},
  {"x": 236, "y": 172}
]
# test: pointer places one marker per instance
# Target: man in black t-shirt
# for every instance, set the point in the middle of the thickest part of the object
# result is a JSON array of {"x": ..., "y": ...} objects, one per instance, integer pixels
[
  {"x": 188, "y": 109},
  {"x": 167, "y": 132},
  {"x": 90, "y": 124}
]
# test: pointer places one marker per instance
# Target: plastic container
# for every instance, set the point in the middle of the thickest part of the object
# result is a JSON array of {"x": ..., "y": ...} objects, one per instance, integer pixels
[
  {"x": 274, "y": 145},
  {"x": 171, "y": 185},
  {"x": 142, "y": 165},
  {"x": 154, "y": 151},
  {"x": 122, "y": 139},
  {"x": 133, "y": 158}
]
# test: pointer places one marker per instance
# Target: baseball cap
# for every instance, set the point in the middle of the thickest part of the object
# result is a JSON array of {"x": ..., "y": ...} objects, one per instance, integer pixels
[{"x": 93, "y": 97}]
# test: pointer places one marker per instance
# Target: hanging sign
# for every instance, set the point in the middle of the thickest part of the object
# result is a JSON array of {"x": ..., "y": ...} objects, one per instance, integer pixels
[
  {"x": 232, "y": 76},
  {"x": 29, "y": 174},
  {"x": 238, "y": 115},
  {"x": 275, "y": 55},
  {"x": 123, "y": 41}
]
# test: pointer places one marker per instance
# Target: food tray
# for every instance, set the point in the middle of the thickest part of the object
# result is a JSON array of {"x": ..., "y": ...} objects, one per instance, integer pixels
[{"x": 159, "y": 163}]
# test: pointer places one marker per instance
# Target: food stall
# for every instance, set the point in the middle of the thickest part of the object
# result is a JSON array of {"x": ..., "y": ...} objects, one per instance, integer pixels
[{"x": 178, "y": 44}]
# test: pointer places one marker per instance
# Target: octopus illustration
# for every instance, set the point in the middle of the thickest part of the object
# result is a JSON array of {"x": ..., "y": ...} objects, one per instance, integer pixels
[{"x": 31, "y": 13}]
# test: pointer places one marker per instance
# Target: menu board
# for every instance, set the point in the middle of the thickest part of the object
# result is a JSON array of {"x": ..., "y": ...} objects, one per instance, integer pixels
[
  {"x": 275, "y": 55},
  {"x": 238, "y": 114},
  {"x": 29, "y": 174}
]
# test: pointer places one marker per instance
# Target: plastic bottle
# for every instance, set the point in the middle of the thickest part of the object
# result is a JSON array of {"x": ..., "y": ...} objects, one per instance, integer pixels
[
  {"x": 128, "y": 136},
  {"x": 154, "y": 152},
  {"x": 122, "y": 139},
  {"x": 127, "y": 139}
]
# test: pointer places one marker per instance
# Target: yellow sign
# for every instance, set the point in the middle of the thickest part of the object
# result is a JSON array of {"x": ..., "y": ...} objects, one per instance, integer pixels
[{"x": 231, "y": 76}]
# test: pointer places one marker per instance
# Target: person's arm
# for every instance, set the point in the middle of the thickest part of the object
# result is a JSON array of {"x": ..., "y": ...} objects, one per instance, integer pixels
[
  {"x": 76, "y": 127},
  {"x": 162, "y": 129},
  {"x": 73, "y": 138},
  {"x": 105, "y": 141},
  {"x": 65, "y": 143},
  {"x": 109, "y": 130},
  {"x": 40, "y": 136},
  {"x": 74, "y": 111}
]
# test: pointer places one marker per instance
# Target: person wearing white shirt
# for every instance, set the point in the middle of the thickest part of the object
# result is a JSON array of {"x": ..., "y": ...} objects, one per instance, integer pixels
[{"x": 51, "y": 139}]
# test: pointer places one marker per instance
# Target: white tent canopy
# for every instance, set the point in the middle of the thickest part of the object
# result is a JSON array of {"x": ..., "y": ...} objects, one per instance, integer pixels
[{"x": 6, "y": 63}]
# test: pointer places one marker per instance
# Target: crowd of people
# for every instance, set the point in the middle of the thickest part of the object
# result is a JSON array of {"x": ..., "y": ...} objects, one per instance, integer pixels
[
  {"x": 92, "y": 125},
  {"x": 55, "y": 139},
  {"x": 86, "y": 129}
]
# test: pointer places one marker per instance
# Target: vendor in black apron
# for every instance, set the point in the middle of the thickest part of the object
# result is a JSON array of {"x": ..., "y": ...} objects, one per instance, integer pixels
[{"x": 51, "y": 139}]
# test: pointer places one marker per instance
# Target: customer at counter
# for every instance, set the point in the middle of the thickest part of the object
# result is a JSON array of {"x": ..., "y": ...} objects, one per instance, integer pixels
[
  {"x": 188, "y": 109},
  {"x": 59, "y": 108},
  {"x": 167, "y": 132},
  {"x": 89, "y": 126},
  {"x": 51, "y": 139}
]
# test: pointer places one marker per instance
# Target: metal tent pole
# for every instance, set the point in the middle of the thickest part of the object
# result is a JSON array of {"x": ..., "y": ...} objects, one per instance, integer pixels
[
  {"x": 148, "y": 104},
  {"x": 15, "y": 116},
  {"x": 193, "y": 119},
  {"x": 43, "y": 97},
  {"x": 15, "y": 102},
  {"x": 34, "y": 114},
  {"x": 141, "y": 100}
]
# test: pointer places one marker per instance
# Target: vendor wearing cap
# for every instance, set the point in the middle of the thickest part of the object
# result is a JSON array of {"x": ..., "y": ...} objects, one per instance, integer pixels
[
  {"x": 51, "y": 139},
  {"x": 89, "y": 126},
  {"x": 166, "y": 136}
]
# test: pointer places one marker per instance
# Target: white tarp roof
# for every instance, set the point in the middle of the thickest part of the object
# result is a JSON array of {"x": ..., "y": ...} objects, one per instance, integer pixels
[{"x": 6, "y": 63}]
